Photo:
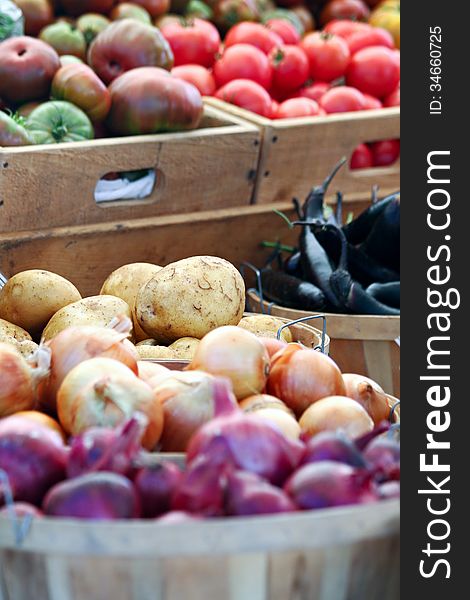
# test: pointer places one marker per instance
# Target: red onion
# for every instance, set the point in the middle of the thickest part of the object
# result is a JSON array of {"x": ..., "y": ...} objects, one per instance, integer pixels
[
  {"x": 155, "y": 485},
  {"x": 106, "y": 449},
  {"x": 100, "y": 496},
  {"x": 177, "y": 516},
  {"x": 329, "y": 483},
  {"x": 383, "y": 456},
  {"x": 33, "y": 457},
  {"x": 332, "y": 445},
  {"x": 248, "y": 494},
  {"x": 250, "y": 443},
  {"x": 21, "y": 509},
  {"x": 389, "y": 489}
]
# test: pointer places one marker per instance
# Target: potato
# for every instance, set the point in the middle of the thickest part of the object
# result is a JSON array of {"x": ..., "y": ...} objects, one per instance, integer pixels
[
  {"x": 185, "y": 348},
  {"x": 125, "y": 282},
  {"x": 266, "y": 326},
  {"x": 30, "y": 298},
  {"x": 94, "y": 310},
  {"x": 191, "y": 297},
  {"x": 24, "y": 347},
  {"x": 7, "y": 329},
  {"x": 155, "y": 352},
  {"x": 147, "y": 342}
]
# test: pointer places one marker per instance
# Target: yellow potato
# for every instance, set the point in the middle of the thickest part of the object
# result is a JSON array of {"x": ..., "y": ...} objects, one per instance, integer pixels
[
  {"x": 147, "y": 342},
  {"x": 266, "y": 326},
  {"x": 125, "y": 282},
  {"x": 24, "y": 347},
  {"x": 7, "y": 329},
  {"x": 191, "y": 297},
  {"x": 94, "y": 310},
  {"x": 30, "y": 298},
  {"x": 185, "y": 348},
  {"x": 155, "y": 352}
]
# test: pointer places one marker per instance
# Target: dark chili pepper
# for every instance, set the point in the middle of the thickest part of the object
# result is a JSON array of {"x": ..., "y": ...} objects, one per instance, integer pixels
[
  {"x": 387, "y": 293},
  {"x": 355, "y": 298},
  {"x": 359, "y": 228},
  {"x": 313, "y": 206},
  {"x": 383, "y": 242},
  {"x": 292, "y": 265},
  {"x": 366, "y": 270},
  {"x": 290, "y": 291}
]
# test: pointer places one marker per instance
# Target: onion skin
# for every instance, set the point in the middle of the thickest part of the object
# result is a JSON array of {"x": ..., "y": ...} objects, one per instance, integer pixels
[
  {"x": 148, "y": 371},
  {"x": 43, "y": 419},
  {"x": 383, "y": 457},
  {"x": 300, "y": 376},
  {"x": 100, "y": 496},
  {"x": 279, "y": 418},
  {"x": 175, "y": 517},
  {"x": 17, "y": 387},
  {"x": 333, "y": 445},
  {"x": 369, "y": 394},
  {"x": 156, "y": 486},
  {"x": 336, "y": 412},
  {"x": 389, "y": 489},
  {"x": 259, "y": 401},
  {"x": 237, "y": 354},
  {"x": 22, "y": 509},
  {"x": 272, "y": 345},
  {"x": 248, "y": 494}
]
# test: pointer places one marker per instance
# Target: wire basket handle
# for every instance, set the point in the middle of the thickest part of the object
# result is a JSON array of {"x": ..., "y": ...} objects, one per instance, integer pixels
[
  {"x": 20, "y": 526},
  {"x": 302, "y": 320}
]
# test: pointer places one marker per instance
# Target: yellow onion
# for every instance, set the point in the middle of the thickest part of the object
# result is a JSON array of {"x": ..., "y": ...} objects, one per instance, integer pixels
[
  {"x": 149, "y": 370},
  {"x": 369, "y": 394},
  {"x": 236, "y": 354},
  {"x": 275, "y": 411},
  {"x": 18, "y": 381},
  {"x": 104, "y": 392},
  {"x": 73, "y": 345},
  {"x": 336, "y": 412},
  {"x": 258, "y": 401}
]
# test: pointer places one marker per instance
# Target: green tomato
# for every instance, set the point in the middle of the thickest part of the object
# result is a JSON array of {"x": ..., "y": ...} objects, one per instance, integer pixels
[
  {"x": 59, "y": 121},
  {"x": 12, "y": 132}
]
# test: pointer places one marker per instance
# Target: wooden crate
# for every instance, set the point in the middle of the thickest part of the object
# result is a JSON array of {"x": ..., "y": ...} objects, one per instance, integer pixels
[
  {"x": 349, "y": 553},
  {"x": 361, "y": 344},
  {"x": 298, "y": 153},
  {"x": 42, "y": 187}
]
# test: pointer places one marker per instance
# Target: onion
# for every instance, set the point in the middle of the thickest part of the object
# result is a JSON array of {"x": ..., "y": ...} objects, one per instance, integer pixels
[
  {"x": 369, "y": 394},
  {"x": 259, "y": 401},
  {"x": 39, "y": 417},
  {"x": 333, "y": 445},
  {"x": 300, "y": 376},
  {"x": 104, "y": 392},
  {"x": 336, "y": 412},
  {"x": 383, "y": 456},
  {"x": 156, "y": 485},
  {"x": 176, "y": 516},
  {"x": 247, "y": 442},
  {"x": 151, "y": 371},
  {"x": 389, "y": 489},
  {"x": 237, "y": 354},
  {"x": 33, "y": 457},
  {"x": 98, "y": 496},
  {"x": 272, "y": 345},
  {"x": 18, "y": 381},
  {"x": 105, "y": 449},
  {"x": 21, "y": 509},
  {"x": 273, "y": 410},
  {"x": 74, "y": 345},
  {"x": 329, "y": 483},
  {"x": 248, "y": 494},
  {"x": 188, "y": 400}
]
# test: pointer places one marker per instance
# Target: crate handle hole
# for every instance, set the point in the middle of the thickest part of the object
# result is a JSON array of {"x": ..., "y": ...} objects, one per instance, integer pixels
[{"x": 135, "y": 186}]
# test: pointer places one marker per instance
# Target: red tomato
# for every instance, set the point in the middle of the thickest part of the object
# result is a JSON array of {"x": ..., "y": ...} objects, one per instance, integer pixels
[
  {"x": 243, "y": 62},
  {"x": 254, "y": 34},
  {"x": 155, "y": 8},
  {"x": 374, "y": 71},
  {"x": 355, "y": 10},
  {"x": 274, "y": 108},
  {"x": 80, "y": 7},
  {"x": 372, "y": 102},
  {"x": 342, "y": 99},
  {"x": 37, "y": 14},
  {"x": 290, "y": 67},
  {"x": 372, "y": 37},
  {"x": 327, "y": 54},
  {"x": 385, "y": 153},
  {"x": 199, "y": 76},
  {"x": 248, "y": 95},
  {"x": 194, "y": 42},
  {"x": 345, "y": 28},
  {"x": 393, "y": 99},
  {"x": 314, "y": 91},
  {"x": 362, "y": 158},
  {"x": 284, "y": 30},
  {"x": 298, "y": 107}
]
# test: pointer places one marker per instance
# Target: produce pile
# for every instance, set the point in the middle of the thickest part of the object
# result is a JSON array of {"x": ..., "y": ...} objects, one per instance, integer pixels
[{"x": 350, "y": 268}]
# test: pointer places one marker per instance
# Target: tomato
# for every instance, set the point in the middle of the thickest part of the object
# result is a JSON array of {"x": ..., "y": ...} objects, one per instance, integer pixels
[
  {"x": 371, "y": 102},
  {"x": 345, "y": 28},
  {"x": 356, "y": 10},
  {"x": 274, "y": 109},
  {"x": 27, "y": 67},
  {"x": 12, "y": 132},
  {"x": 243, "y": 62},
  {"x": 80, "y": 85},
  {"x": 361, "y": 158},
  {"x": 199, "y": 76},
  {"x": 26, "y": 109},
  {"x": 285, "y": 30},
  {"x": 68, "y": 59},
  {"x": 76, "y": 8},
  {"x": 290, "y": 68},
  {"x": 393, "y": 99},
  {"x": 65, "y": 39},
  {"x": 147, "y": 100},
  {"x": 298, "y": 107},
  {"x": 155, "y": 8},
  {"x": 128, "y": 10},
  {"x": 282, "y": 14},
  {"x": 372, "y": 37},
  {"x": 387, "y": 15},
  {"x": 228, "y": 13},
  {"x": 37, "y": 14},
  {"x": 374, "y": 71},
  {"x": 246, "y": 94},
  {"x": 91, "y": 25},
  {"x": 254, "y": 34},
  {"x": 314, "y": 91},
  {"x": 305, "y": 17},
  {"x": 328, "y": 55},
  {"x": 56, "y": 121},
  {"x": 385, "y": 153},
  {"x": 193, "y": 42},
  {"x": 126, "y": 45},
  {"x": 342, "y": 99}
]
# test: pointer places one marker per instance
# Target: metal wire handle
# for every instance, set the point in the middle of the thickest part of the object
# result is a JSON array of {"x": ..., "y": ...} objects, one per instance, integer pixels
[
  {"x": 20, "y": 526},
  {"x": 321, "y": 347}
]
